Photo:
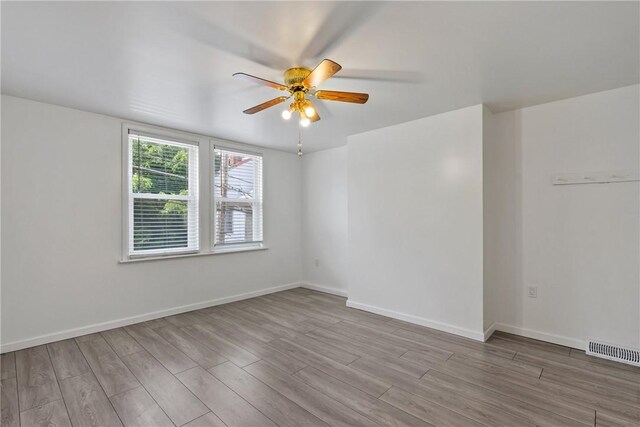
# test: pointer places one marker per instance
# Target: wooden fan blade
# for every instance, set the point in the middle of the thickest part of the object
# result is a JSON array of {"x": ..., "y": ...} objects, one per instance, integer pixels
[
  {"x": 332, "y": 95},
  {"x": 262, "y": 81},
  {"x": 322, "y": 72},
  {"x": 343, "y": 20},
  {"x": 266, "y": 105}
]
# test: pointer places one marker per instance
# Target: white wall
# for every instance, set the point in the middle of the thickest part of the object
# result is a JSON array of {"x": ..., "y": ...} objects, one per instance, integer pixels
[
  {"x": 61, "y": 240},
  {"x": 415, "y": 221},
  {"x": 579, "y": 244},
  {"x": 501, "y": 216},
  {"x": 470, "y": 182},
  {"x": 324, "y": 220}
]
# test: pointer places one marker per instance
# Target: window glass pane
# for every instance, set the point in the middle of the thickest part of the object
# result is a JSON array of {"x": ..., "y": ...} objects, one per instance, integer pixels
[
  {"x": 234, "y": 175},
  {"x": 237, "y": 191},
  {"x": 163, "y": 196},
  {"x": 159, "y": 168},
  {"x": 236, "y": 223},
  {"x": 160, "y": 224}
]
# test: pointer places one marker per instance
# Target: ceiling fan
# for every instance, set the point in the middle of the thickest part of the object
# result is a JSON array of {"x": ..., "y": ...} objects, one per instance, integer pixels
[{"x": 302, "y": 82}]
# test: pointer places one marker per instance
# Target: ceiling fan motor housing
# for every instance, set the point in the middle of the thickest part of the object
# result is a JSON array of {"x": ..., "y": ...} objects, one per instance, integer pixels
[{"x": 294, "y": 77}]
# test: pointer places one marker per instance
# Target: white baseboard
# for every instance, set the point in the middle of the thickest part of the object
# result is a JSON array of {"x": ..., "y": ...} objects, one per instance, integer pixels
[
  {"x": 542, "y": 336},
  {"x": 104, "y": 326},
  {"x": 489, "y": 331},
  {"x": 479, "y": 336},
  {"x": 468, "y": 333},
  {"x": 322, "y": 288},
  {"x": 445, "y": 327}
]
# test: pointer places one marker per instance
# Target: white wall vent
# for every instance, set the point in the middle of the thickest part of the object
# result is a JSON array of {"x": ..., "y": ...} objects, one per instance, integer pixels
[{"x": 614, "y": 352}]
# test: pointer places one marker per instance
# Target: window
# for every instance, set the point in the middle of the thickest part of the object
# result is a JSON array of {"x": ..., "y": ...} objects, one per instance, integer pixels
[
  {"x": 183, "y": 195},
  {"x": 163, "y": 201},
  {"x": 237, "y": 195}
]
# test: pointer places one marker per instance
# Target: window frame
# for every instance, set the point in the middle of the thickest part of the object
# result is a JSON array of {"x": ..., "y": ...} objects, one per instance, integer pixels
[
  {"x": 206, "y": 208},
  {"x": 232, "y": 247}
]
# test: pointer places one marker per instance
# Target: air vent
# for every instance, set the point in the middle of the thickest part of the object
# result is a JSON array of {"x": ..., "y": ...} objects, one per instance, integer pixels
[{"x": 614, "y": 352}]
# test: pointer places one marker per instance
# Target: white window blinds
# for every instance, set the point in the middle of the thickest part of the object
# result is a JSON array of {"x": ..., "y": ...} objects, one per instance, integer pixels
[
  {"x": 237, "y": 193},
  {"x": 163, "y": 196}
]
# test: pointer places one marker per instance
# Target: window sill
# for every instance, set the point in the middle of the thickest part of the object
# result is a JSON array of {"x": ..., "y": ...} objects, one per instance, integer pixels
[{"x": 196, "y": 254}]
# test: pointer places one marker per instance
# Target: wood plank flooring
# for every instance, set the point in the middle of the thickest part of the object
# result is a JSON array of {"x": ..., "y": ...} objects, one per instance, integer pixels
[{"x": 302, "y": 358}]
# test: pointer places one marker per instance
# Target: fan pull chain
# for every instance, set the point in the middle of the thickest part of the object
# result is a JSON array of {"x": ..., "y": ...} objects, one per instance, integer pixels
[{"x": 299, "y": 141}]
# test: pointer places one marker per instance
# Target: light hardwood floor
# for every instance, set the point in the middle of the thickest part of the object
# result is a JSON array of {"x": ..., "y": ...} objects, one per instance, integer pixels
[{"x": 299, "y": 358}]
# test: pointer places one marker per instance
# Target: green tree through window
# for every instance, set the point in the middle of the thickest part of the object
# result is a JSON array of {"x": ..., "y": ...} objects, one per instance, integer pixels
[{"x": 162, "y": 170}]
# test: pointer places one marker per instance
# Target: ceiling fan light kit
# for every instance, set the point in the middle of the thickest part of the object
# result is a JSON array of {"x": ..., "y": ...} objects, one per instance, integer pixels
[
  {"x": 303, "y": 106},
  {"x": 301, "y": 82}
]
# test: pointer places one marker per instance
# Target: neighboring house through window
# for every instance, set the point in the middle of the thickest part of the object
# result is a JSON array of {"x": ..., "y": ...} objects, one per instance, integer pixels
[{"x": 238, "y": 198}]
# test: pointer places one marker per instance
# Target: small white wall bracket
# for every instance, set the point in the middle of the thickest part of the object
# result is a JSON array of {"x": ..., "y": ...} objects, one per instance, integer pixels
[{"x": 606, "y": 177}]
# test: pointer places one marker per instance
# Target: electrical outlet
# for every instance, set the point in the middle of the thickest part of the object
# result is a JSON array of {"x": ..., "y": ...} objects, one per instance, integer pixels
[
  {"x": 317, "y": 263},
  {"x": 533, "y": 292}
]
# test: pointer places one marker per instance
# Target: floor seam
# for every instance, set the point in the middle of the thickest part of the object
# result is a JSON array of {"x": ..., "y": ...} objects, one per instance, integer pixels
[
  {"x": 140, "y": 382},
  {"x": 60, "y": 388}
]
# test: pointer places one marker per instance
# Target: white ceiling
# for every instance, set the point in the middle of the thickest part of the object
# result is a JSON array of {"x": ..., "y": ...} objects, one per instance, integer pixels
[{"x": 170, "y": 64}]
